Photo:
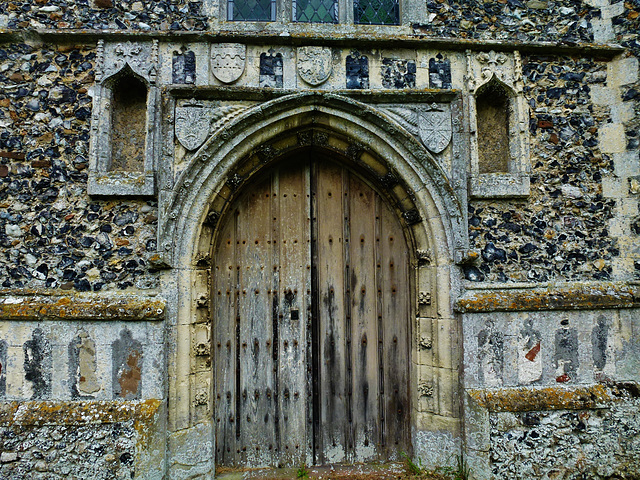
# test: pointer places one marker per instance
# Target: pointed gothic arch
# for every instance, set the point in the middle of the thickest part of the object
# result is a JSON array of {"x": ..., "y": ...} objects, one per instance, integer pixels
[{"x": 370, "y": 143}]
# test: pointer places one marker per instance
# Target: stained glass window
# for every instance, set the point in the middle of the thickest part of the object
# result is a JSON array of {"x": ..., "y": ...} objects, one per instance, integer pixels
[
  {"x": 252, "y": 10},
  {"x": 324, "y": 11},
  {"x": 376, "y": 12}
]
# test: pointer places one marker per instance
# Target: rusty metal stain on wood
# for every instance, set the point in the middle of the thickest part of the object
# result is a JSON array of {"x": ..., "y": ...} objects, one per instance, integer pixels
[{"x": 311, "y": 363}]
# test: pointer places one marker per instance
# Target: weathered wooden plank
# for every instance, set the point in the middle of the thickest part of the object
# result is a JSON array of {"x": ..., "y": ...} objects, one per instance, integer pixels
[
  {"x": 224, "y": 342},
  {"x": 256, "y": 365},
  {"x": 311, "y": 322},
  {"x": 396, "y": 344},
  {"x": 329, "y": 214},
  {"x": 294, "y": 254},
  {"x": 362, "y": 284}
]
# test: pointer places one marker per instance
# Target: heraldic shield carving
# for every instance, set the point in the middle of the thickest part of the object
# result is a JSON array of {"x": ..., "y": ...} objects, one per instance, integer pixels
[
  {"x": 434, "y": 127},
  {"x": 228, "y": 60},
  {"x": 314, "y": 64},
  {"x": 192, "y": 125}
]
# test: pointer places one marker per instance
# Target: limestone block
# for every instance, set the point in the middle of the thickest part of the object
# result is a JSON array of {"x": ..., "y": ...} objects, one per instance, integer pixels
[
  {"x": 604, "y": 95},
  {"x": 623, "y": 71},
  {"x": 613, "y": 10},
  {"x": 440, "y": 444},
  {"x": 628, "y": 358},
  {"x": 613, "y": 187},
  {"x": 622, "y": 112},
  {"x": 447, "y": 343},
  {"x": 191, "y": 452},
  {"x": 626, "y": 164},
  {"x": 448, "y": 386},
  {"x": 612, "y": 138},
  {"x": 602, "y": 30}
]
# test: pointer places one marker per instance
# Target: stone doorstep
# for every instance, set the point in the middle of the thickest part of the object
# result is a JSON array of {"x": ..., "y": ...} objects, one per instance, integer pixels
[{"x": 334, "y": 472}]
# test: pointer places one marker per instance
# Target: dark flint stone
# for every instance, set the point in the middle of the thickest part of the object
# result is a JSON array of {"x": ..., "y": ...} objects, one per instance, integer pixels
[
  {"x": 125, "y": 218},
  {"x": 473, "y": 274},
  {"x": 491, "y": 254}
]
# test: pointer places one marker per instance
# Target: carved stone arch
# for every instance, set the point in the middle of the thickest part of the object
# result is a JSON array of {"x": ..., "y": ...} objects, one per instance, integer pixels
[
  {"x": 255, "y": 129},
  {"x": 416, "y": 187}
]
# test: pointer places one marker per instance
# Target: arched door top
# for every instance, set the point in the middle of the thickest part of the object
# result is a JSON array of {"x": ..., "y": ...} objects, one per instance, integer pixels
[{"x": 346, "y": 128}]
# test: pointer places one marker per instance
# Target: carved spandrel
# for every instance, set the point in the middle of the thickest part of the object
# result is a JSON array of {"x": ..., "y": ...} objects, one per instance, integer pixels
[
  {"x": 431, "y": 123},
  {"x": 196, "y": 121}
]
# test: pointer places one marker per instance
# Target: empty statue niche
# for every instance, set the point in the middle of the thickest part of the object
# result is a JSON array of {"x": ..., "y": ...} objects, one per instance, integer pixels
[
  {"x": 128, "y": 124},
  {"x": 493, "y": 117}
]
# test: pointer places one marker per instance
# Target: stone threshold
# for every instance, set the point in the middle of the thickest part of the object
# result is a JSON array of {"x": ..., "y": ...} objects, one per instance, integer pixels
[{"x": 381, "y": 471}]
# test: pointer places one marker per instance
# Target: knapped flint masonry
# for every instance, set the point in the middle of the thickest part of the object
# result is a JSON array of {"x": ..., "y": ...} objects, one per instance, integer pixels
[{"x": 272, "y": 234}]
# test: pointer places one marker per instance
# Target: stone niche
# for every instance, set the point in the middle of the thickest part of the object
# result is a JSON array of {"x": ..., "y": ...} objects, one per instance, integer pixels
[
  {"x": 497, "y": 118},
  {"x": 124, "y": 127},
  {"x": 492, "y": 114}
]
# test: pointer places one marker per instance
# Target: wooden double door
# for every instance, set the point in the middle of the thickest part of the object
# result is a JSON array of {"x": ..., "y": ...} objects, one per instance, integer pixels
[{"x": 311, "y": 322}]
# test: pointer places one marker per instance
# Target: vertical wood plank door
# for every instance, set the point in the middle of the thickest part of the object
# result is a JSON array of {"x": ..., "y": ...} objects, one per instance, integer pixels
[{"x": 311, "y": 322}]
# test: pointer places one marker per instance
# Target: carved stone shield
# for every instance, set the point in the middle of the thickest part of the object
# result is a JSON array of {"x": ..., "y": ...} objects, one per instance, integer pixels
[
  {"x": 314, "y": 64},
  {"x": 228, "y": 60},
  {"x": 192, "y": 125},
  {"x": 434, "y": 127}
]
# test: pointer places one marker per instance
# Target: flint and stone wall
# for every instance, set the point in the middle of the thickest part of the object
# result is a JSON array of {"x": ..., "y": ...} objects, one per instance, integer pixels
[{"x": 541, "y": 357}]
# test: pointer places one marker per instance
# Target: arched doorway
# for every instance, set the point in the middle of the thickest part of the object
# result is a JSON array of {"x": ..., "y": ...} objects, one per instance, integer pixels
[{"x": 311, "y": 321}]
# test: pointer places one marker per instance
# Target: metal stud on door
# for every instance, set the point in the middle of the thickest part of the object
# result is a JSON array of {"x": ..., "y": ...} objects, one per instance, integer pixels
[{"x": 311, "y": 322}]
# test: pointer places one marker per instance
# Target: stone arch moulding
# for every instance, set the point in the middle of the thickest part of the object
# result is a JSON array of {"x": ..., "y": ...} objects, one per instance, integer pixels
[
  {"x": 504, "y": 70},
  {"x": 421, "y": 194},
  {"x": 119, "y": 61},
  {"x": 185, "y": 208}
]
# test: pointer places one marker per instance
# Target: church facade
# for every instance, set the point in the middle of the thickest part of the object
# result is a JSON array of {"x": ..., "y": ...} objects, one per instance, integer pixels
[{"x": 273, "y": 234}]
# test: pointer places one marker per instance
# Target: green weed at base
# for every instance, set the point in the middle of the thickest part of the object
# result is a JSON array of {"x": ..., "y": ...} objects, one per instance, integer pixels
[
  {"x": 302, "y": 473},
  {"x": 413, "y": 467},
  {"x": 460, "y": 471}
]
